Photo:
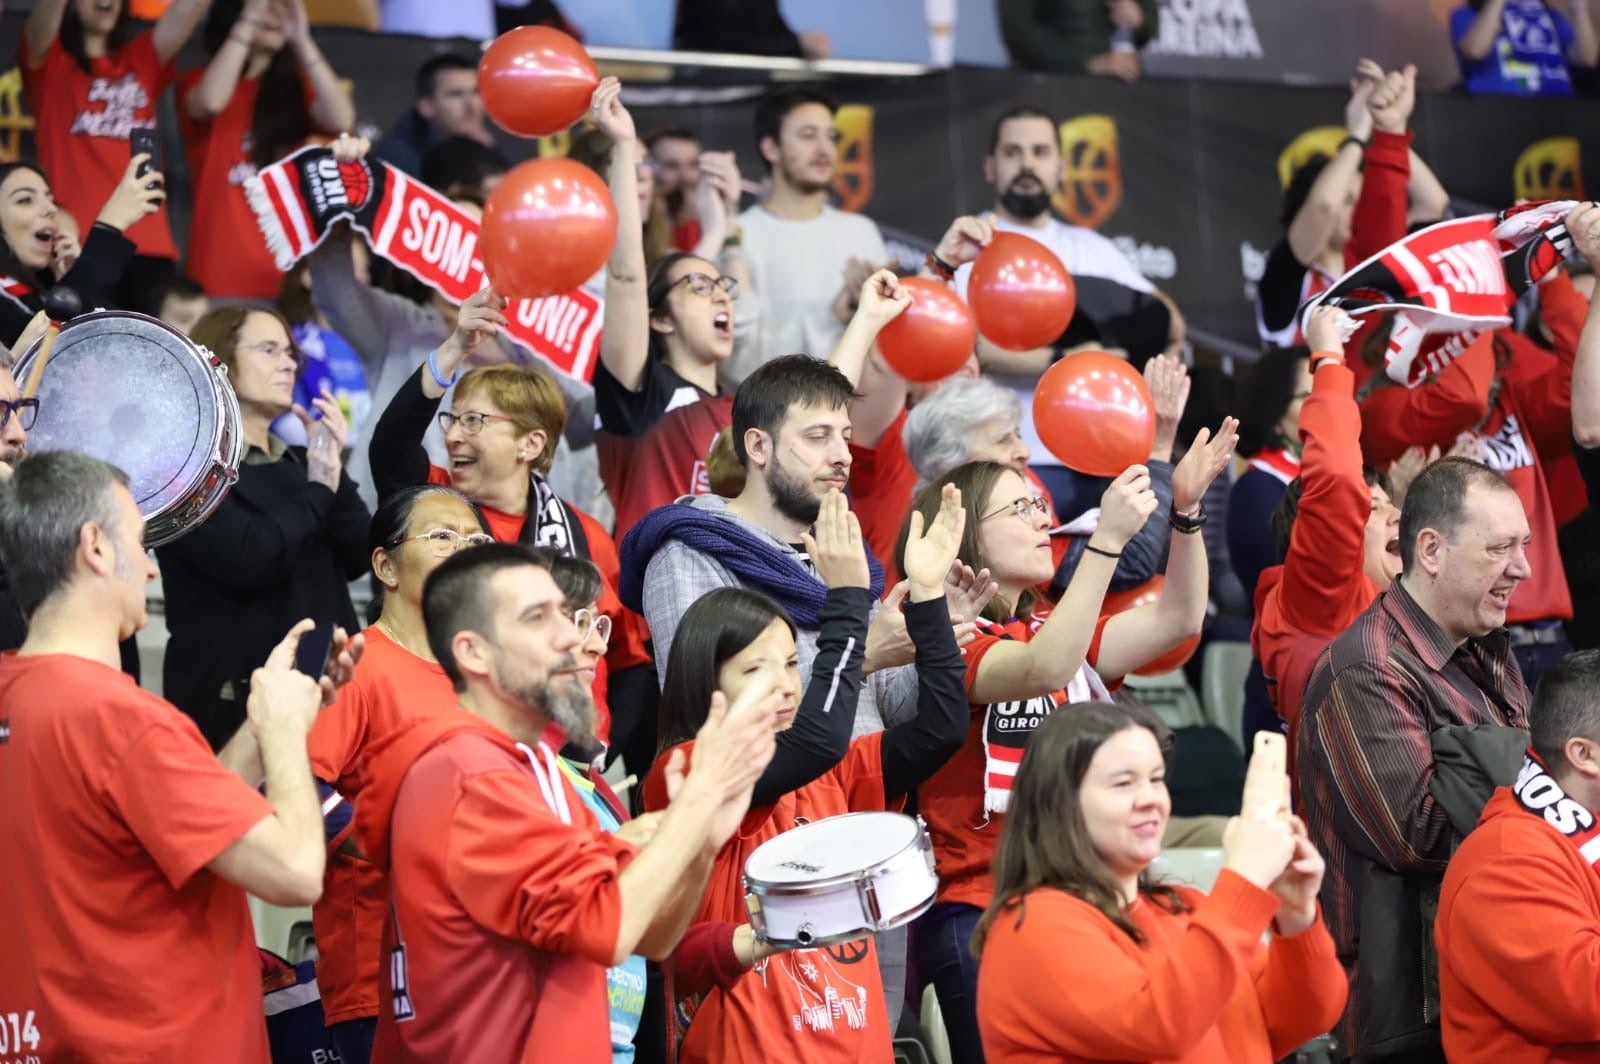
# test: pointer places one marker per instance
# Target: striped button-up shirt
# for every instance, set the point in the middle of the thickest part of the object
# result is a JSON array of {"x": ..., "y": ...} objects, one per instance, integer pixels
[{"x": 1365, "y": 756}]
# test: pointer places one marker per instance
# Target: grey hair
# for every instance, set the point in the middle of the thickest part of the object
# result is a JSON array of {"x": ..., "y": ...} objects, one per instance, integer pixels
[
  {"x": 939, "y": 429},
  {"x": 43, "y": 509}
]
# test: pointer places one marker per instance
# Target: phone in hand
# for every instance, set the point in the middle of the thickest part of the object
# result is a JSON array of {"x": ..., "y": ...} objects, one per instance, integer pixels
[
  {"x": 316, "y": 648},
  {"x": 144, "y": 141}
]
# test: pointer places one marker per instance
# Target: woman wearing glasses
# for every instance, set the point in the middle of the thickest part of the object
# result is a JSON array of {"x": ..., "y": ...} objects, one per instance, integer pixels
[
  {"x": 500, "y": 436},
  {"x": 398, "y": 678},
  {"x": 283, "y": 544},
  {"x": 1027, "y": 660}
]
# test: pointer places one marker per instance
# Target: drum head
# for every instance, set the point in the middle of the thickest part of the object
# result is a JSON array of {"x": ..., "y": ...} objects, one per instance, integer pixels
[
  {"x": 837, "y": 846},
  {"x": 132, "y": 391}
]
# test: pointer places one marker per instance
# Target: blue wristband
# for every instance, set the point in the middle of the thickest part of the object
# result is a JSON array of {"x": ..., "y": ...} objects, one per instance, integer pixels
[{"x": 433, "y": 368}]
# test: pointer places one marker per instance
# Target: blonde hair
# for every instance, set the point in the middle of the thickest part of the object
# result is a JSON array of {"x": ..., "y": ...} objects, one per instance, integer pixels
[{"x": 529, "y": 398}]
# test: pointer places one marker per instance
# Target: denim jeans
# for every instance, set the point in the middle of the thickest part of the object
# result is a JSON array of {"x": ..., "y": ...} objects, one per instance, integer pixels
[
  {"x": 944, "y": 939},
  {"x": 353, "y": 1039}
]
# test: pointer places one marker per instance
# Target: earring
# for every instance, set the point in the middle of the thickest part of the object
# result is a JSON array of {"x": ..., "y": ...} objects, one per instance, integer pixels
[{"x": 522, "y": 456}]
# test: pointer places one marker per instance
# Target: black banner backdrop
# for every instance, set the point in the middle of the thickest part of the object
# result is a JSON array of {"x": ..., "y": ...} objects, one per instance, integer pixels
[{"x": 1184, "y": 175}]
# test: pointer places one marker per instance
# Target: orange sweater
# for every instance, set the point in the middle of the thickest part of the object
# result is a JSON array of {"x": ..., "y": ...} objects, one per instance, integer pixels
[
  {"x": 1063, "y": 984},
  {"x": 1518, "y": 932}
]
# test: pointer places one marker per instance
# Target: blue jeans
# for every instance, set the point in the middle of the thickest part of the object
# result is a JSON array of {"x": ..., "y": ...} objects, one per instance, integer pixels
[
  {"x": 944, "y": 938},
  {"x": 1534, "y": 658},
  {"x": 353, "y": 1039}
]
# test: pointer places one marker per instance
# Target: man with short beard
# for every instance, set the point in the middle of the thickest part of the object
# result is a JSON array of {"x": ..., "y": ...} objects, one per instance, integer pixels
[
  {"x": 807, "y": 260},
  {"x": 509, "y": 900}
]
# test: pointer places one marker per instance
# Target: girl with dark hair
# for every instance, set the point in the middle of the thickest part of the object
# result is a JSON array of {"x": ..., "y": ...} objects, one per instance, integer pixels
[
  {"x": 90, "y": 82},
  {"x": 724, "y": 642},
  {"x": 412, "y": 533},
  {"x": 1085, "y": 958},
  {"x": 281, "y": 546},
  {"x": 1269, "y": 440},
  {"x": 254, "y": 102},
  {"x": 1028, "y": 660},
  {"x": 39, "y": 245}
]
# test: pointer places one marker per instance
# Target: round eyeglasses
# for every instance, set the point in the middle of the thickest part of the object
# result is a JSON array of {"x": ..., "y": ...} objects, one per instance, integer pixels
[{"x": 1023, "y": 508}]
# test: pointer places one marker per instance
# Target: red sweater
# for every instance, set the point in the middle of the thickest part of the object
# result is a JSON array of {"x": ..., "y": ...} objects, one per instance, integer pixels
[
  {"x": 1518, "y": 932},
  {"x": 1060, "y": 983},
  {"x": 1320, "y": 589}
]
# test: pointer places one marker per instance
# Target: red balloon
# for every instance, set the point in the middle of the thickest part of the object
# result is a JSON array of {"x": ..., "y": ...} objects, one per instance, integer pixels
[
  {"x": 549, "y": 225},
  {"x": 1146, "y": 595},
  {"x": 1020, "y": 293},
  {"x": 933, "y": 337},
  {"x": 1093, "y": 411},
  {"x": 536, "y": 81}
]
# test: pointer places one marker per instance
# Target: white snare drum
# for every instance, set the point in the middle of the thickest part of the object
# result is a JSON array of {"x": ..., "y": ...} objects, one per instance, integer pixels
[
  {"x": 135, "y": 392},
  {"x": 840, "y": 879}
]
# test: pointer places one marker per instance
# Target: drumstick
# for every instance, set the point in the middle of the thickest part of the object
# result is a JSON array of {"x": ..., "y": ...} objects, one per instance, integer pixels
[{"x": 62, "y": 304}]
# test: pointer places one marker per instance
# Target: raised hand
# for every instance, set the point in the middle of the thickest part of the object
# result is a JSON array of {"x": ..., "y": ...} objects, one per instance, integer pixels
[
  {"x": 1583, "y": 222},
  {"x": 1125, "y": 14},
  {"x": 64, "y": 250},
  {"x": 883, "y": 298},
  {"x": 349, "y": 149},
  {"x": 1357, "y": 116},
  {"x": 1207, "y": 456},
  {"x": 966, "y": 237},
  {"x": 1393, "y": 101},
  {"x": 135, "y": 197},
  {"x": 967, "y": 593},
  {"x": 837, "y": 549},
  {"x": 1124, "y": 508},
  {"x": 1298, "y": 885},
  {"x": 1259, "y": 843},
  {"x": 732, "y": 750},
  {"x": 608, "y": 114},
  {"x": 325, "y": 438},
  {"x": 1325, "y": 332},
  {"x": 931, "y": 551},
  {"x": 1168, "y": 379},
  {"x": 481, "y": 316},
  {"x": 721, "y": 170}
]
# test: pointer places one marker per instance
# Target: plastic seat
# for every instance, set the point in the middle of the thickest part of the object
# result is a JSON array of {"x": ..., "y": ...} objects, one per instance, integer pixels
[
  {"x": 1223, "y": 671},
  {"x": 1170, "y": 696}
]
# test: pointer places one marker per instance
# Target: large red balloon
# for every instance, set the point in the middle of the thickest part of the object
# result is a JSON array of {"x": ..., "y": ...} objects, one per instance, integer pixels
[
  {"x": 1146, "y": 595},
  {"x": 549, "y": 225},
  {"x": 1093, "y": 411},
  {"x": 536, "y": 81},
  {"x": 933, "y": 337},
  {"x": 1020, "y": 293}
]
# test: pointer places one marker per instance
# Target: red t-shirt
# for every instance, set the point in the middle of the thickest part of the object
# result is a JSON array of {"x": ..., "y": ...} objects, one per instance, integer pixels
[
  {"x": 227, "y": 254},
  {"x": 882, "y": 483},
  {"x": 390, "y": 685},
  {"x": 951, "y": 801},
  {"x": 116, "y": 940},
  {"x": 82, "y": 122},
  {"x": 628, "y": 630},
  {"x": 783, "y": 1013},
  {"x": 507, "y": 912}
]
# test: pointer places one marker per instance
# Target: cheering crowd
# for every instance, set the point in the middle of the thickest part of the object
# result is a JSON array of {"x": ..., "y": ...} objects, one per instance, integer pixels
[{"x": 768, "y": 580}]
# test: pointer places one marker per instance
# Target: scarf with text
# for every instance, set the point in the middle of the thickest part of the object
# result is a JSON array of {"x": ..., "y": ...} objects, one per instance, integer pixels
[
  {"x": 1537, "y": 791},
  {"x": 1448, "y": 283},
  {"x": 1007, "y": 726},
  {"x": 299, "y": 198}
]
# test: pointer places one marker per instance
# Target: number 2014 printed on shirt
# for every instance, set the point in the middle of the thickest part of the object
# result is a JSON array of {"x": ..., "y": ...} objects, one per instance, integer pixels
[{"x": 18, "y": 1032}]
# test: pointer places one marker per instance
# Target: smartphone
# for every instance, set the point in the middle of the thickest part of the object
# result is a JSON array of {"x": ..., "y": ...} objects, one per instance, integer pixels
[
  {"x": 316, "y": 647},
  {"x": 144, "y": 141}
]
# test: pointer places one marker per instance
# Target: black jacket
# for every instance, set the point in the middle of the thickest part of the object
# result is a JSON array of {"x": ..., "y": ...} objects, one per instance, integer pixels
[
  {"x": 279, "y": 548},
  {"x": 95, "y": 277}
]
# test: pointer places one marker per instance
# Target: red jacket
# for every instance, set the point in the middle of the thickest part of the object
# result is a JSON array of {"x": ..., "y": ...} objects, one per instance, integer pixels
[
  {"x": 1320, "y": 589},
  {"x": 1518, "y": 933}
]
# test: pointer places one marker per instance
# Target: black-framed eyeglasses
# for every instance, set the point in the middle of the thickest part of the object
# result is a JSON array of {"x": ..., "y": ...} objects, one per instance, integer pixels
[
  {"x": 1023, "y": 508},
  {"x": 27, "y": 411},
  {"x": 471, "y": 422},
  {"x": 446, "y": 541},
  {"x": 702, "y": 285}
]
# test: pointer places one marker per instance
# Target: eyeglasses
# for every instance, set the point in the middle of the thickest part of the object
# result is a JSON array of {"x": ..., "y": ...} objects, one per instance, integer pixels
[
  {"x": 272, "y": 350},
  {"x": 471, "y": 422},
  {"x": 1023, "y": 508},
  {"x": 702, "y": 285},
  {"x": 591, "y": 622},
  {"x": 446, "y": 541},
  {"x": 27, "y": 411}
]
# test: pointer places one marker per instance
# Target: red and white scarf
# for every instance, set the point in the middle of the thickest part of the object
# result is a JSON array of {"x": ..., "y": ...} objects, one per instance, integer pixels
[
  {"x": 1278, "y": 463},
  {"x": 1537, "y": 791},
  {"x": 298, "y": 199},
  {"x": 16, "y": 291},
  {"x": 1007, "y": 726}
]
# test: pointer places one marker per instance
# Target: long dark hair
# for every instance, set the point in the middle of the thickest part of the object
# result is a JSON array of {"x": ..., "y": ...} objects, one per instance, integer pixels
[
  {"x": 281, "y": 123},
  {"x": 714, "y": 629},
  {"x": 122, "y": 31},
  {"x": 658, "y": 283},
  {"x": 392, "y": 520},
  {"x": 1268, "y": 391},
  {"x": 1044, "y": 840},
  {"x": 976, "y": 481},
  {"x": 10, "y": 265}
]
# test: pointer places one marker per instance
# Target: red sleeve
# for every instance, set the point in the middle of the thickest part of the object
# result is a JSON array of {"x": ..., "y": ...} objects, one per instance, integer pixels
[
  {"x": 1321, "y": 575},
  {"x": 522, "y": 873},
  {"x": 1395, "y": 418},
  {"x": 337, "y": 736},
  {"x": 1072, "y": 990},
  {"x": 179, "y": 801},
  {"x": 1380, "y": 216},
  {"x": 1302, "y": 988},
  {"x": 153, "y": 74},
  {"x": 705, "y": 960},
  {"x": 655, "y": 783},
  {"x": 976, "y": 651},
  {"x": 628, "y": 630},
  {"x": 1545, "y": 401}
]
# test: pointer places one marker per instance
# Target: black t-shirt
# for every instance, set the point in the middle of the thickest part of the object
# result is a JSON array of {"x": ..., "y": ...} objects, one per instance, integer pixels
[
  {"x": 624, "y": 412},
  {"x": 1286, "y": 283}
]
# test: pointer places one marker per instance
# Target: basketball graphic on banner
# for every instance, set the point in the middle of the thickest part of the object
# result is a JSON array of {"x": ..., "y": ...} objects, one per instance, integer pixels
[
  {"x": 1550, "y": 169},
  {"x": 1091, "y": 176},
  {"x": 852, "y": 174}
]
